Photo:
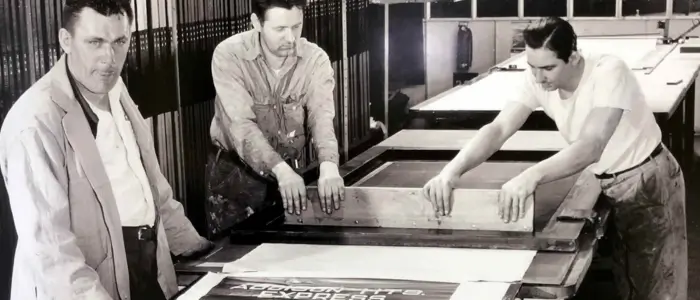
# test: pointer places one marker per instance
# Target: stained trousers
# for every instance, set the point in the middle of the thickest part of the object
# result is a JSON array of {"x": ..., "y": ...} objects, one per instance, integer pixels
[
  {"x": 648, "y": 230},
  {"x": 234, "y": 191}
]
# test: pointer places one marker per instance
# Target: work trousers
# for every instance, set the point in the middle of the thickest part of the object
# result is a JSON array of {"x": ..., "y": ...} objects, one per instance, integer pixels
[
  {"x": 648, "y": 230},
  {"x": 141, "y": 244}
]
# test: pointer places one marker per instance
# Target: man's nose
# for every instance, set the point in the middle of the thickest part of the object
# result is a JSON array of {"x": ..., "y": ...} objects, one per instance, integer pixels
[
  {"x": 289, "y": 35},
  {"x": 539, "y": 77},
  {"x": 108, "y": 53}
]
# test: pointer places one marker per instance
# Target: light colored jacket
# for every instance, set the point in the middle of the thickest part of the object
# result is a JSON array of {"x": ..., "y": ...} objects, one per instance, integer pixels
[{"x": 70, "y": 243}]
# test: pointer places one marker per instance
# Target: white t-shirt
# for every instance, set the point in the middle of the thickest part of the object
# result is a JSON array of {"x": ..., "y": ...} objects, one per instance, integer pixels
[
  {"x": 120, "y": 155},
  {"x": 606, "y": 82}
]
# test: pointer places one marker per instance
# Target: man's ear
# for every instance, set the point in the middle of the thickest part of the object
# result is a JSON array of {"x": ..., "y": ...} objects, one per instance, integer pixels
[
  {"x": 65, "y": 38},
  {"x": 257, "y": 25},
  {"x": 574, "y": 58}
]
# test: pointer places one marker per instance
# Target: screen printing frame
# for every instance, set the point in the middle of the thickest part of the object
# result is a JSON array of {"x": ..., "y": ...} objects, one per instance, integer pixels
[
  {"x": 551, "y": 275},
  {"x": 558, "y": 235}
]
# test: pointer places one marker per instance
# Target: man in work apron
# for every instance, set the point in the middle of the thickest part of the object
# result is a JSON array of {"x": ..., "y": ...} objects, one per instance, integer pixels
[{"x": 234, "y": 190}]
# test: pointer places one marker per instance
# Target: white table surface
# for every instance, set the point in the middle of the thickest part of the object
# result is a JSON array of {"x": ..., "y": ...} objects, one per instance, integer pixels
[{"x": 492, "y": 92}]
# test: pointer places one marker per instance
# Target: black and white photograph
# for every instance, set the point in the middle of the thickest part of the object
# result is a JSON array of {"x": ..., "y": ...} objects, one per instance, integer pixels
[{"x": 349, "y": 149}]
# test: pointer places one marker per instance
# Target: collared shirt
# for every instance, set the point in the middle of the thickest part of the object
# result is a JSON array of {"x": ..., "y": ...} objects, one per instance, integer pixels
[
  {"x": 122, "y": 160},
  {"x": 263, "y": 113}
]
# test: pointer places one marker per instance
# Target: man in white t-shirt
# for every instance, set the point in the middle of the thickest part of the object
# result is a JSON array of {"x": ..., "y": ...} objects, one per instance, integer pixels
[{"x": 600, "y": 110}]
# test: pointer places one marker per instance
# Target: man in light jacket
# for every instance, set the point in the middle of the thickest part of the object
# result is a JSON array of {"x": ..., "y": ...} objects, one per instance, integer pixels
[{"x": 95, "y": 217}]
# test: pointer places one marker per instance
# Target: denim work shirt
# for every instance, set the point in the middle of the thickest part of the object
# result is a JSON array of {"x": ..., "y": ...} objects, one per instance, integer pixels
[{"x": 263, "y": 115}]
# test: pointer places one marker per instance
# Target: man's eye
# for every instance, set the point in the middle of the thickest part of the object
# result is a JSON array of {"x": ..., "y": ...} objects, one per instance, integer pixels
[{"x": 94, "y": 43}]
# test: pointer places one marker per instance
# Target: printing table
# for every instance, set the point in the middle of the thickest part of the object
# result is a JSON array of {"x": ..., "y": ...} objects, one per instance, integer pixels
[
  {"x": 665, "y": 73},
  {"x": 565, "y": 248}
]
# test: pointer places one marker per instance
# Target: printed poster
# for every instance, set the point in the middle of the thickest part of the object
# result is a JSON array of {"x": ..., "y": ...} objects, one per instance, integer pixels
[
  {"x": 328, "y": 288},
  {"x": 217, "y": 286}
]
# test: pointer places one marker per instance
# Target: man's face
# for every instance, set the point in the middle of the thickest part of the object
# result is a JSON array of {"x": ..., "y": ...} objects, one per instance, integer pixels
[
  {"x": 97, "y": 49},
  {"x": 549, "y": 71},
  {"x": 281, "y": 29}
]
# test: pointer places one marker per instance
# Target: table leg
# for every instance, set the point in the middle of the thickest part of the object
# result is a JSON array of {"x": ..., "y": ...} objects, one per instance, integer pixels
[
  {"x": 689, "y": 130},
  {"x": 663, "y": 120},
  {"x": 418, "y": 123},
  {"x": 677, "y": 135}
]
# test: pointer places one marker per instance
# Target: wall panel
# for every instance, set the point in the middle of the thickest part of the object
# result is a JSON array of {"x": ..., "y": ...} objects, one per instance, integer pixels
[
  {"x": 28, "y": 49},
  {"x": 441, "y": 51},
  {"x": 201, "y": 26}
]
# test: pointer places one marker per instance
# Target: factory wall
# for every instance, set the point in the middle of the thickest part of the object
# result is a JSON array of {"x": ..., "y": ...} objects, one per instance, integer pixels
[{"x": 492, "y": 40}]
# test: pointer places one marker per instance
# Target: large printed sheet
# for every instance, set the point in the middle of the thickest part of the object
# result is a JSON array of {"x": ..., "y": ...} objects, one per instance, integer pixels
[
  {"x": 220, "y": 286},
  {"x": 380, "y": 262},
  {"x": 273, "y": 271}
]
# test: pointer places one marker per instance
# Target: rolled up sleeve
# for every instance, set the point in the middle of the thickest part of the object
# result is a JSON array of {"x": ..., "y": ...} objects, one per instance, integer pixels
[
  {"x": 235, "y": 116},
  {"x": 321, "y": 108},
  {"x": 42, "y": 218}
]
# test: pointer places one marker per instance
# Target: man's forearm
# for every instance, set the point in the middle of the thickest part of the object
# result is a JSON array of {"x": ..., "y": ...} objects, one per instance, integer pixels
[
  {"x": 321, "y": 108},
  {"x": 326, "y": 146},
  {"x": 255, "y": 150},
  {"x": 323, "y": 130},
  {"x": 487, "y": 141},
  {"x": 321, "y": 116},
  {"x": 181, "y": 234},
  {"x": 245, "y": 137},
  {"x": 568, "y": 161}
]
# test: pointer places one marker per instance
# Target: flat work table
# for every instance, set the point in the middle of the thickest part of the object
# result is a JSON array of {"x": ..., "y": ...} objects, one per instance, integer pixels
[
  {"x": 565, "y": 249},
  {"x": 666, "y": 75},
  {"x": 526, "y": 141}
]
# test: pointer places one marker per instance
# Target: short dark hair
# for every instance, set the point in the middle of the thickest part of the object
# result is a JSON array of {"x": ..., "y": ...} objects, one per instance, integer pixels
[
  {"x": 260, "y": 7},
  {"x": 72, "y": 9},
  {"x": 554, "y": 33}
]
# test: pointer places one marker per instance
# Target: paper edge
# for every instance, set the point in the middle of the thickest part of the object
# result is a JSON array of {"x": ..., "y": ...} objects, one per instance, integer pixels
[{"x": 205, "y": 284}]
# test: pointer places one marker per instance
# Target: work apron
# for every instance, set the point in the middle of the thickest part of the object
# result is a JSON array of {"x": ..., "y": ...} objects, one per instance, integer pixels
[{"x": 234, "y": 190}]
